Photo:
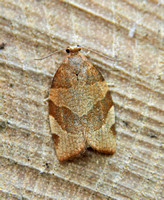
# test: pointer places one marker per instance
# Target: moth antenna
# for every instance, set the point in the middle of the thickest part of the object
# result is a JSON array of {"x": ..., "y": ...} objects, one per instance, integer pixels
[
  {"x": 97, "y": 52},
  {"x": 49, "y": 54}
]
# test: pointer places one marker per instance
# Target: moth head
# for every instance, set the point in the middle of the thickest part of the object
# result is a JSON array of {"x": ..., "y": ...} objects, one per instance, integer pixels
[{"x": 73, "y": 49}]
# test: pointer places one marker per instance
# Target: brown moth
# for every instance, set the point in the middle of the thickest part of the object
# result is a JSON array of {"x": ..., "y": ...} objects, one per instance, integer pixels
[{"x": 81, "y": 109}]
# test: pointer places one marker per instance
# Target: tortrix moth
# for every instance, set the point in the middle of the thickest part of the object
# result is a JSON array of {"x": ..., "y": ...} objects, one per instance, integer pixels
[{"x": 81, "y": 110}]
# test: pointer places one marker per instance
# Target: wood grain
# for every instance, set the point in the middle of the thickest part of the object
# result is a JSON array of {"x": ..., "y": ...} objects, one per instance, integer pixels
[{"x": 127, "y": 37}]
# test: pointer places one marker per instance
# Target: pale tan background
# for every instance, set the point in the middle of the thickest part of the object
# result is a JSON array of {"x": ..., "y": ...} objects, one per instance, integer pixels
[{"x": 130, "y": 33}]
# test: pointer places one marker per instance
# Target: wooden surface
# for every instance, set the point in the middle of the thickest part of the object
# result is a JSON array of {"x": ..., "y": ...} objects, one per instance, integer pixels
[{"x": 128, "y": 38}]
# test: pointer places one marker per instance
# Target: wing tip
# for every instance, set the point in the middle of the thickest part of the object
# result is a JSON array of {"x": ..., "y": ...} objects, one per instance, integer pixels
[{"x": 66, "y": 157}]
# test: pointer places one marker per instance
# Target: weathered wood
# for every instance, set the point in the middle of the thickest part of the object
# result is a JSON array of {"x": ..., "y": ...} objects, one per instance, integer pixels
[{"x": 128, "y": 38}]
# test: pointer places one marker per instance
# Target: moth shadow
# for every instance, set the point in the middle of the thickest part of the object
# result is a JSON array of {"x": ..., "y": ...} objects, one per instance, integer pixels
[{"x": 90, "y": 155}]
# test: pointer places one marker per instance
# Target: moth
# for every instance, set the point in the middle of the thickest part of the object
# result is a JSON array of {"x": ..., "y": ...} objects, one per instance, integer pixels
[{"x": 81, "y": 110}]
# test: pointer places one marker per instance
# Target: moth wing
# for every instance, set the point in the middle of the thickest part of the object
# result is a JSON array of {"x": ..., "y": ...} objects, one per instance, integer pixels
[
  {"x": 67, "y": 145},
  {"x": 100, "y": 129},
  {"x": 103, "y": 139},
  {"x": 65, "y": 125}
]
